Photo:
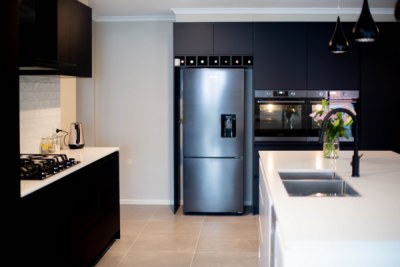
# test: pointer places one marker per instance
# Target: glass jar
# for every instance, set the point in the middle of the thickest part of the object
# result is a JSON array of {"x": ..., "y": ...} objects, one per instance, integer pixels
[{"x": 330, "y": 147}]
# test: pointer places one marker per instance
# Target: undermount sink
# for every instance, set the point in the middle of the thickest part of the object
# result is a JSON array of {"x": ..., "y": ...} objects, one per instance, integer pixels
[{"x": 319, "y": 184}]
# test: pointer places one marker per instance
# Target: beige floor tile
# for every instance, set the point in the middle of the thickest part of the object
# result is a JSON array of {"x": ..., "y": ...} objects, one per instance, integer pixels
[
  {"x": 165, "y": 214},
  {"x": 225, "y": 260},
  {"x": 178, "y": 227},
  {"x": 157, "y": 259},
  {"x": 234, "y": 245},
  {"x": 248, "y": 218},
  {"x": 165, "y": 243},
  {"x": 153, "y": 236},
  {"x": 110, "y": 260},
  {"x": 229, "y": 230},
  {"x": 122, "y": 246},
  {"x": 131, "y": 228},
  {"x": 137, "y": 212}
]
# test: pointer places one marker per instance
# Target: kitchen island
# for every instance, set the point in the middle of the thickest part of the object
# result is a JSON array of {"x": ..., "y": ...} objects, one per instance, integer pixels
[{"x": 330, "y": 231}]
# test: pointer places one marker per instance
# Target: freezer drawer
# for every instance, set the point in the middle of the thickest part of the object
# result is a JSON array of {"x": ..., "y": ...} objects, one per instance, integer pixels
[{"x": 213, "y": 185}]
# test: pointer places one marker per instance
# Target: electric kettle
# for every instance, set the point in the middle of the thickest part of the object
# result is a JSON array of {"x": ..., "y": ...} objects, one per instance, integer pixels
[{"x": 76, "y": 136}]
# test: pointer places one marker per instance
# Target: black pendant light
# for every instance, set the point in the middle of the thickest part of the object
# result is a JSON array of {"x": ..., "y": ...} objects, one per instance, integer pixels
[
  {"x": 365, "y": 29},
  {"x": 397, "y": 11},
  {"x": 338, "y": 44}
]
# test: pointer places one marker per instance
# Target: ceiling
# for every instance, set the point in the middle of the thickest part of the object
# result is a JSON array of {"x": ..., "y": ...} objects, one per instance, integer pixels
[{"x": 143, "y": 8}]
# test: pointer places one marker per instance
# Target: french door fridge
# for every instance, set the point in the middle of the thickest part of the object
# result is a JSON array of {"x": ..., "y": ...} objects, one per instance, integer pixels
[{"x": 213, "y": 140}]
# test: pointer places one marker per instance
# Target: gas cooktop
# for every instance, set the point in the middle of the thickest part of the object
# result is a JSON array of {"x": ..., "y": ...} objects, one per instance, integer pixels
[{"x": 42, "y": 166}]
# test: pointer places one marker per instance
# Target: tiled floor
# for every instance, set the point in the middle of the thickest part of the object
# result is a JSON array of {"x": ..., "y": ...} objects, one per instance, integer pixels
[{"x": 154, "y": 236}]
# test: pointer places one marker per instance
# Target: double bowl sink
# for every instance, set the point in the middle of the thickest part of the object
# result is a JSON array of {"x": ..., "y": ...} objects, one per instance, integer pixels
[{"x": 316, "y": 184}]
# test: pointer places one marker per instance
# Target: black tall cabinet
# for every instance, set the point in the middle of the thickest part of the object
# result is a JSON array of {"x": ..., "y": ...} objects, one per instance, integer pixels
[
  {"x": 10, "y": 192},
  {"x": 380, "y": 84}
]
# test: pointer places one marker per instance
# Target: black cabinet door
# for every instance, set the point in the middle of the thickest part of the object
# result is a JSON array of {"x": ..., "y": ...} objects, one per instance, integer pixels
[
  {"x": 280, "y": 59},
  {"x": 55, "y": 37},
  {"x": 43, "y": 236},
  {"x": 74, "y": 38},
  {"x": 233, "y": 38},
  {"x": 207, "y": 38},
  {"x": 193, "y": 38},
  {"x": 380, "y": 90},
  {"x": 325, "y": 69}
]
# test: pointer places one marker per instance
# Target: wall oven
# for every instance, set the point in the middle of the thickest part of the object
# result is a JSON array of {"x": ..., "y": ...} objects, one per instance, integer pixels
[{"x": 283, "y": 116}]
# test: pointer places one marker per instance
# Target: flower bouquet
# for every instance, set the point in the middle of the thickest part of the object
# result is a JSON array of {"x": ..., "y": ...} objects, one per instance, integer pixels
[{"x": 339, "y": 125}]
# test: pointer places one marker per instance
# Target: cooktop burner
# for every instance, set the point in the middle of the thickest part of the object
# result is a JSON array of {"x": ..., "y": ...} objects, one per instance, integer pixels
[{"x": 41, "y": 166}]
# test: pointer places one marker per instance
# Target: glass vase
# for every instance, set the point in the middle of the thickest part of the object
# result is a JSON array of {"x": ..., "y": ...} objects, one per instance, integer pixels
[{"x": 331, "y": 147}]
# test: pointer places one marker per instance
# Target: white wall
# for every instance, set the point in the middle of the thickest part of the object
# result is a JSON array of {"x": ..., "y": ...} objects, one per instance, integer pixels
[{"x": 129, "y": 104}]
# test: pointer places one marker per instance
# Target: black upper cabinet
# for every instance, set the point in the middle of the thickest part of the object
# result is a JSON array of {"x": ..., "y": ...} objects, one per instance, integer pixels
[
  {"x": 327, "y": 70},
  {"x": 192, "y": 38},
  {"x": 207, "y": 38},
  {"x": 55, "y": 37},
  {"x": 233, "y": 38},
  {"x": 280, "y": 56}
]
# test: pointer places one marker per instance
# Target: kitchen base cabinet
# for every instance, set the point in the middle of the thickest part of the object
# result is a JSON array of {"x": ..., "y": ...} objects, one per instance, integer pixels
[
  {"x": 72, "y": 221},
  {"x": 268, "y": 239}
]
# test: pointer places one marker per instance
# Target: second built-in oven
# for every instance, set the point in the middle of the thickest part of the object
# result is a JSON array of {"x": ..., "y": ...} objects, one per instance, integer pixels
[{"x": 284, "y": 115}]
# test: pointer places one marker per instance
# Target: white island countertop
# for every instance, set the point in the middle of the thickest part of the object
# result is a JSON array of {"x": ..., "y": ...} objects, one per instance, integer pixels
[
  {"x": 85, "y": 156},
  {"x": 338, "y": 231}
]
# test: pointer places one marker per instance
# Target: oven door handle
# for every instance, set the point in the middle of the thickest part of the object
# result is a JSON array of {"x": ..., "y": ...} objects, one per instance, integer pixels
[
  {"x": 281, "y": 101},
  {"x": 335, "y": 101}
]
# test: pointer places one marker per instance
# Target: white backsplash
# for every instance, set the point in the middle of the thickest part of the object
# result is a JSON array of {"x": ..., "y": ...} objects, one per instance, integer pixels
[{"x": 40, "y": 110}]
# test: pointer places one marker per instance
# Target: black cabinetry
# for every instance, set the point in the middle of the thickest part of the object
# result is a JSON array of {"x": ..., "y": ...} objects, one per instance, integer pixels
[
  {"x": 72, "y": 221},
  {"x": 10, "y": 189},
  {"x": 207, "y": 44},
  {"x": 380, "y": 90},
  {"x": 325, "y": 69},
  {"x": 280, "y": 56},
  {"x": 55, "y": 37},
  {"x": 193, "y": 38},
  {"x": 232, "y": 38},
  {"x": 207, "y": 38}
]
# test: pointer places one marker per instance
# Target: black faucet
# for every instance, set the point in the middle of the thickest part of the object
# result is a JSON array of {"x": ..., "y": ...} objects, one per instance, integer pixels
[{"x": 355, "y": 163}]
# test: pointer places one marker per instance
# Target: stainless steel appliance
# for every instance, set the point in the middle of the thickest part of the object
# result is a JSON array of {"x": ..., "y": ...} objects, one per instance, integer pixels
[
  {"x": 284, "y": 115},
  {"x": 41, "y": 166},
  {"x": 213, "y": 140},
  {"x": 76, "y": 139},
  {"x": 280, "y": 115}
]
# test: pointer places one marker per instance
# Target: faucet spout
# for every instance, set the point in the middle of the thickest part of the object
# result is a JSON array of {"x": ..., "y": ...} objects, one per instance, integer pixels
[{"x": 355, "y": 163}]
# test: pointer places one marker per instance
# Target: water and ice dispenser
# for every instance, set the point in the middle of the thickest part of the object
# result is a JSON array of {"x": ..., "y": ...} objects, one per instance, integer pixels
[{"x": 228, "y": 125}]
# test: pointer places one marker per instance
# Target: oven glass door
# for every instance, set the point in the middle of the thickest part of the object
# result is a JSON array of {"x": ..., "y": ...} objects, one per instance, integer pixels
[
  {"x": 315, "y": 128},
  {"x": 280, "y": 120}
]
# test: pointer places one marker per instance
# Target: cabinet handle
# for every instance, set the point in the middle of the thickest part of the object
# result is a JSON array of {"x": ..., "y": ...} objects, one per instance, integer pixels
[{"x": 280, "y": 101}]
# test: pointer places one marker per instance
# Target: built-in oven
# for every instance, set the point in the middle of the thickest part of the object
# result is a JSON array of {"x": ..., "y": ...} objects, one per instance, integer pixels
[
  {"x": 335, "y": 98},
  {"x": 280, "y": 115},
  {"x": 283, "y": 116}
]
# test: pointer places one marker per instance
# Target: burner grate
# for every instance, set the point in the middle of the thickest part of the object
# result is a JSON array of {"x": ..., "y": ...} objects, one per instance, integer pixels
[{"x": 41, "y": 166}]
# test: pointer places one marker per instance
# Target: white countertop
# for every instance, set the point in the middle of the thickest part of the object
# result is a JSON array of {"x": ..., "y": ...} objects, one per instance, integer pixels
[
  {"x": 86, "y": 156},
  {"x": 338, "y": 231}
]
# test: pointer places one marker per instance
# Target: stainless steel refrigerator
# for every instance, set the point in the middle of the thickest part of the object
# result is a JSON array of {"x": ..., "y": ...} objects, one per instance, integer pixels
[{"x": 213, "y": 140}]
